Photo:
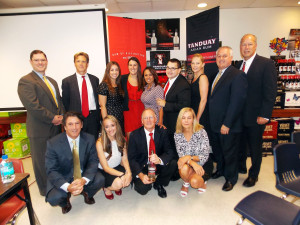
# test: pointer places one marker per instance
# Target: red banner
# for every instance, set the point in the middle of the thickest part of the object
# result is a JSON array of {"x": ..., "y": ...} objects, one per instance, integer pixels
[{"x": 126, "y": 39}]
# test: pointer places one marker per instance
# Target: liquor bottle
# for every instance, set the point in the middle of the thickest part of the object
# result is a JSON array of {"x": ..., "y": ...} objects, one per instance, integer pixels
[
  {"x": 284, "y": 68},
  {"x": 151, "y": 170},
  {"x": 176, "y": 40},
  {"x": 293, "y": 66},
  {"x": 7, "y": 170},
  {"x": 153, "y": 41},
  {"x": 280, "y": 62}
]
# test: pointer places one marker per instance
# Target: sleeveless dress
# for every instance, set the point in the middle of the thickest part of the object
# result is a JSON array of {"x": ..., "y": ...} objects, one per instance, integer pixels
[{"x": 132, "y": 117}]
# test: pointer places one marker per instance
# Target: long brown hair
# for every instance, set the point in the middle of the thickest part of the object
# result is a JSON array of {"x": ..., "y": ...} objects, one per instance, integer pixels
[
  {"x": 139, "y": 73},
  {"x": 105, "y": 141},
  {"x": 106, "y": 78}
]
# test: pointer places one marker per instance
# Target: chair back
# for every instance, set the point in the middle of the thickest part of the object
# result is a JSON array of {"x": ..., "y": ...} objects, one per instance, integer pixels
[
  {"x": 18, "y": 165},
  {"x": 296, "y": 138},
  {"x": 286, "y": 162}
]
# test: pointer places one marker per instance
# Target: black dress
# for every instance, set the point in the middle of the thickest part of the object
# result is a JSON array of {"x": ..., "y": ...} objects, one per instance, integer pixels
[{"x": 114, "y": 102}]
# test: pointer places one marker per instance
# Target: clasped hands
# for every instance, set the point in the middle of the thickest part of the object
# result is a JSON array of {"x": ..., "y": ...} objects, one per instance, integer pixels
[
  {"x": 76, "y": 187},
  {"x": 187, "y": 160},
  {"x": 126, "y": 179},
  {"x": 57, "y": 120}
]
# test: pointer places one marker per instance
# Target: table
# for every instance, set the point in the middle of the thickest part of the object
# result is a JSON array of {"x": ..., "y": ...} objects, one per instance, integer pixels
[{"x": 10, "y": 189}]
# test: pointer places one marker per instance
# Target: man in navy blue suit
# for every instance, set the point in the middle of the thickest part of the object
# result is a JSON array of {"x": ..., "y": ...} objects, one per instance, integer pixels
[{"x": 226, "y": 101}]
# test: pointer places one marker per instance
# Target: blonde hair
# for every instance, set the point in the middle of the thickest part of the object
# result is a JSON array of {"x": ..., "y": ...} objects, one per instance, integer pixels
[
  {"x": 198, "y": 56},
  {"x": 196, "y": 125},
  {"x": 105, "y": 141}
]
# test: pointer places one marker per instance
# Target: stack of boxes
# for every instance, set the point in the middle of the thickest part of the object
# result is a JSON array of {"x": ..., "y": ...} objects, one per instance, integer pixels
[
  {"x": 18, "y": 146},
  {"x": 285, "y": 129}
]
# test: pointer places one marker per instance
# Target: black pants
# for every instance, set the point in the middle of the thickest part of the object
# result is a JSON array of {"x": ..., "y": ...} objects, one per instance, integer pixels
[
  {"x": 164, "y": 175},
  {"x": 57, "y": 196},
  {"x": 225, "y": 149},
  {"x": 91, "y": 124},
  {"x": 251, "y": 139}
]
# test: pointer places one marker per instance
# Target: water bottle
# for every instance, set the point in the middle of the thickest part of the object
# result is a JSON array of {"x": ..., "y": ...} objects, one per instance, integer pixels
[{"x": 7, "y": 170}]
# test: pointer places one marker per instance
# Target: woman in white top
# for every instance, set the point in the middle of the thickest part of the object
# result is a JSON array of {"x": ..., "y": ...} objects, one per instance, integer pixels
[{"x": 112, "y": 153}]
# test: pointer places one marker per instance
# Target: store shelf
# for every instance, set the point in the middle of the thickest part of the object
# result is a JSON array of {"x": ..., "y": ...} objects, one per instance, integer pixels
[{"x": 286, "y": 113}]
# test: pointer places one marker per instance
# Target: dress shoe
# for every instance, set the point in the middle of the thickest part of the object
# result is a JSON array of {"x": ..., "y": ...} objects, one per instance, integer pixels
[
  {"x": 160, "y": 189},
  {"x": 87, "y": 199},
  {"x": 68, "y": 206},
  {"x": 119, "y": 192},
  {"x": 216, "y": 175},
  {"x": 228, "y": 186},
  {"x": 250, "y": 182},
  {"x": 109, "y": 197}
]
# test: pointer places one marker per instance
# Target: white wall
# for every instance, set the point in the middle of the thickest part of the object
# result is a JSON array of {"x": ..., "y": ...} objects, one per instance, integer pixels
[{"x": 265, "y": 23}]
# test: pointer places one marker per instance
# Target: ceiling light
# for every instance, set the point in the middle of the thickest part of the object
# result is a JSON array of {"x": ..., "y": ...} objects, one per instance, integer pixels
[
  {"x": 106, "y": 9},
  {"x": 299, "y": 2},
  {"x": 202, "y": 5}
]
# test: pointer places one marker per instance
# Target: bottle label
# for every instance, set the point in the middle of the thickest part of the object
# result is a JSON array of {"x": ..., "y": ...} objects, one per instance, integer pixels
[{"x": 7, "y": 172}]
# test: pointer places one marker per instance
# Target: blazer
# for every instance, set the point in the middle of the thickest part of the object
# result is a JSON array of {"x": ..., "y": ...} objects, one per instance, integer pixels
[
  {"x": 59, "y": 160},
  {"x": 138, "y": 149},
  {"x": 124, "y": 79},
  {"x": 262, "y": 90},
  {"x": 227, "y": 100},
  {"x": 178, "y": 97},
  {"x": 70, "y": 92},
  {"x": 40, "y": 105}
]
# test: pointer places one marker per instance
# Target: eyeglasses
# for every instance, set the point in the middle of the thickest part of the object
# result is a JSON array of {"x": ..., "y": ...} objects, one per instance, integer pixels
[
  {"x": 172, "y": 68},
  {"x": 39, "y": 60},
  {"x": 148, "y": 118}
]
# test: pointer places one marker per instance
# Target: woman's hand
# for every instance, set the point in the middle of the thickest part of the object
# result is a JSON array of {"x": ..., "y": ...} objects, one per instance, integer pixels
[
  {"x": 183, "y": 160},
  {"x": 126, "y": 179},
  {"x": 198, "y": 169},
  {"x": 161, "y": 125}
]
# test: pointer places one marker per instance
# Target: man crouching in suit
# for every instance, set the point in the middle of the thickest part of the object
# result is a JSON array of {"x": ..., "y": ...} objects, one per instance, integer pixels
[
  {"x": 72, "y": 165},
  {"x": 226, "y": 102},
  {"x": 139, "y": 157}
]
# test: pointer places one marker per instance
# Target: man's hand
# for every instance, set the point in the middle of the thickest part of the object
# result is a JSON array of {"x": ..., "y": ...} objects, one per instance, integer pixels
[
  {"x": 224, "y": 129},
  {"x": 76, "y": 187},
  {"x": 261, "y": 120},
  {"x": 154, "y": 159},
  {"x": 57, "y": 120},
  {"x": 144, "y": 178},
  {"x": 161, "y": 102}
]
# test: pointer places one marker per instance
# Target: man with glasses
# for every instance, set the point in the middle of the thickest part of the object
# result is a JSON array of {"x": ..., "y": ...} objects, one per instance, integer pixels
[
  {"x": 150, "y": 144},
  {"x": 40, "y": 96}
]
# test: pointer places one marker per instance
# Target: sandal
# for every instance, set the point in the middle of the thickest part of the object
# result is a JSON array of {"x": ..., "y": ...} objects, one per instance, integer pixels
[
  {"x": 184, "y": 193},
  {"x": 203, "y": 189}
]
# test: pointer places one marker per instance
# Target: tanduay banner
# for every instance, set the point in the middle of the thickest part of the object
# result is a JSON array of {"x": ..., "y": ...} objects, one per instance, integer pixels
[{"x": 202, "y": 36}]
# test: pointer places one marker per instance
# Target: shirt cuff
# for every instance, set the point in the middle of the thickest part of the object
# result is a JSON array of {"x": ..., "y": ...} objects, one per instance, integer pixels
[
  {"x": 87, "y": 180},
  {"x": 65, "y": 186},
  {"x": 161, "y": 162}
]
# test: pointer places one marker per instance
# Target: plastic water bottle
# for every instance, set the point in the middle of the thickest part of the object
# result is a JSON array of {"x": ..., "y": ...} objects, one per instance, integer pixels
[{"x": 7, "y": 170}]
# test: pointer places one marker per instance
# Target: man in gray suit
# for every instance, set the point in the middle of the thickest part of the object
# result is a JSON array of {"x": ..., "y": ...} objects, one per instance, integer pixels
[{"x": 40, "y": 96}]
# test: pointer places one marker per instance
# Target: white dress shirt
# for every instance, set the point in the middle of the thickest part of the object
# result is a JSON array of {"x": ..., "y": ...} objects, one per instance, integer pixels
[
  {"x": 92, "y": 103},
  {"x": 248, "y": 63}
]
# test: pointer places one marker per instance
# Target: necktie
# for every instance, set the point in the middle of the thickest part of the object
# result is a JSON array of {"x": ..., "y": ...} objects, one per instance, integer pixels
[
  {"x": 50, "y": 89},
  {"x": 216, "y": 81},
  {"x": 76, "y": 161},
  {"x": 244, "y": 64},
  {"x": 151, "y": 145},
  {"x": 166, "y": 89},
  {"x": 84, "y": 99}
]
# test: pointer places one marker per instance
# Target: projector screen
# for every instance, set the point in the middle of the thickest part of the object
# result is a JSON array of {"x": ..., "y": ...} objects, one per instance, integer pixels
[{"x": 60, "y": 35}]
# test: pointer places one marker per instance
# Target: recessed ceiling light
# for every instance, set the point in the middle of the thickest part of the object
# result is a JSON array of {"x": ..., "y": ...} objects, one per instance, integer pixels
[
  {"x": 299, "y": 2},
  {"x": 202, "y": 5},
  {"x": 106, "y": 9}
]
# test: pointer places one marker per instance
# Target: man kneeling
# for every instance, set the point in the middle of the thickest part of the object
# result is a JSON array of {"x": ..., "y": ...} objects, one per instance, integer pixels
[
  {"x": 147, "y": 144},
  {"x": 71, "y": 165}
]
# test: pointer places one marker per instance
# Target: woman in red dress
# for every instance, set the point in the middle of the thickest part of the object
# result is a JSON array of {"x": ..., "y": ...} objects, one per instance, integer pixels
[{"x": 132, "y": 85}]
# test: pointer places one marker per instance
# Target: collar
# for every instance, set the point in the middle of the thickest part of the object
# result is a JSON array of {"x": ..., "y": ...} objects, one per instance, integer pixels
[
  {"x": 249, "y": 61},
  {"x": 147, "y": 132},
  {"x": 79, "y": 75}
]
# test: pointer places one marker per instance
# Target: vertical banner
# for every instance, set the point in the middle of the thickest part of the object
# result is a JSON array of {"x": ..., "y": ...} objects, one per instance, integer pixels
[
  {"x": 126, "y": 39},
  {"x": 202, "y": 36}
]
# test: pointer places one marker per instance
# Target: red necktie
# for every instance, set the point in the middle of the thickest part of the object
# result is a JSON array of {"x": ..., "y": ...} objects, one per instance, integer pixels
[
  {"x": 244, "y": 66},
  {"x": 151, "y": 145},
  {"x": 84, "y": 99},
  {"x": 166, "y": 89}
]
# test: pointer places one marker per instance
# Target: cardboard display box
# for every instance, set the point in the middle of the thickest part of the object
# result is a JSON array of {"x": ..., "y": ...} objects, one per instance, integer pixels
[
  {"x": 18, "y": 130},
  {"x": 268, "y": 145},
  {"x": 271, "y": 130},
  {"x": 17, "y": 147},
  {"x": 285, "y": 125}
]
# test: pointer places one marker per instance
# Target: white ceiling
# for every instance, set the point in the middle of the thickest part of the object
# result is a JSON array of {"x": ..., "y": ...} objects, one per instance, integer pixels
[{"x": 127, "y": 6}]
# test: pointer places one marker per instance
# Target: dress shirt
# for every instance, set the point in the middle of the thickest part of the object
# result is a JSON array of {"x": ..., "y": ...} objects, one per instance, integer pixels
[
  {"x": 220, "y": 76},
  {"x": 41, "y": 76},
  {"x": 70, "y": 140},
  {"x": 171, "y": 82},
  {"x": 248, "y": 63},
  {"x": 92, "y": 103}
]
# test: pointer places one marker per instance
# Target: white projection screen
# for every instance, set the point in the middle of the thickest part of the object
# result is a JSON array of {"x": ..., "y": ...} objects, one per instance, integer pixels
[{"x": 60, "y": 35}]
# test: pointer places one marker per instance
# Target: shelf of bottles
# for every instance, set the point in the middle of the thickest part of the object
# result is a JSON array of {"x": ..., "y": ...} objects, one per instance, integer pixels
[{"x": 287, "y": 76}]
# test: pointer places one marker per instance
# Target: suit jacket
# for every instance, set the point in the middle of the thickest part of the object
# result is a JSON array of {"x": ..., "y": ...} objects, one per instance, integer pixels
[
  {"x": 227, "y": 101},
  {"x": 124, "y": 79},
  {"x": 262, "y": 89},
  {"x": 178, "y": 97},
  {"x": 40, "y": 105},
  {"x": 59, "y": 159},
  {"x": 71, "y": 96},
  {"x": 138, "y": 150}
]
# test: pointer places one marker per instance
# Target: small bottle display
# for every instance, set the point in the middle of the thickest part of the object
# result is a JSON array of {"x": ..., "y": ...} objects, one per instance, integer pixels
[
  {"x": 176, "y": 40},
  {"x": 153, "y": 41}
]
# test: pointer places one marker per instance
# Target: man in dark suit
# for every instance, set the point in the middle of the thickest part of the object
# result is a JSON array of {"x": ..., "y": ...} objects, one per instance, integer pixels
[
  {"x": 40, "y": 96},
  {"x": 73, "y": 94},
  {"x": 226, "y": 101},
  {"x": 262, "y": 87},
  {"x": 139, "y": 155},
  {"x": 72, "y": 165}
]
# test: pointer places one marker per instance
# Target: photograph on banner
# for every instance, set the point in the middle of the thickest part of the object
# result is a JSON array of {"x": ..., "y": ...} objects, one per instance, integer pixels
[
  {"x": 162, "y": 34},
  {"x": 159, "y": 60},
  {"x": 294, "y": 39}
]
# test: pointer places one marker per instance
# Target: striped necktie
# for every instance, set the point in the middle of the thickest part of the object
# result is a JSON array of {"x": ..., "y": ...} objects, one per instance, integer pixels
[
  {"x": 216, "y": 80},
  {"x": 76, "y": 161}
]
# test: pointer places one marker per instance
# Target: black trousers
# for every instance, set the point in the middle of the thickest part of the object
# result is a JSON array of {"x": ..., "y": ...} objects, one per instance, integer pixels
[
  {"x": 91, "y": 124},
  {"x": 251, "y": 139},
  {"x": 57, "y": 196},
  {"x": 164, "y": 175},
  {"x": 225, "y": 149}
]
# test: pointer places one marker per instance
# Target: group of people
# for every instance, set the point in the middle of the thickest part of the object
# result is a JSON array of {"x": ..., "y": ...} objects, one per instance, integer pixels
[{"x": 172, "y": 128}]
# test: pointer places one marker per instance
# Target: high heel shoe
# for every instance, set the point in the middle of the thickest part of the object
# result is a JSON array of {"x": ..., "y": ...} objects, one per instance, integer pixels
[
  {"x": 203, "y": 189},
  {"x": 119, "y": 192},
  {"x": 109, "y": 197},
  {"x": 184, "y": 193}
]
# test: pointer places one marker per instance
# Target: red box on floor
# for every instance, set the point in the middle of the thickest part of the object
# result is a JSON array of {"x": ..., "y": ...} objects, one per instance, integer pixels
[
  {"x": 5, "y": 130},
  {"x": 271, "y": 130}
]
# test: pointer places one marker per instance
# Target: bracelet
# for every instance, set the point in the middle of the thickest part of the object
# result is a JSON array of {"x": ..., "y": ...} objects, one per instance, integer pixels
[{"x": 122, "y": 175}]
